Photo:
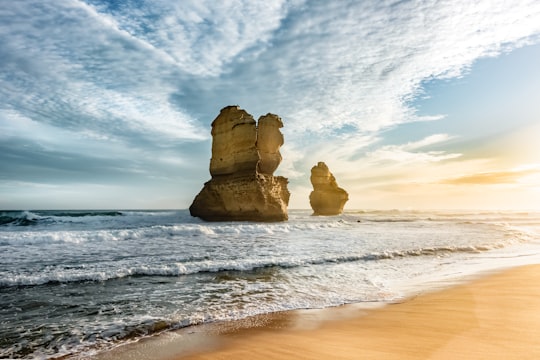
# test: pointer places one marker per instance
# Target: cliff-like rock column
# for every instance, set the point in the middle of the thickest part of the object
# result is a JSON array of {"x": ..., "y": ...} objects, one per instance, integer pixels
[
  {"x": 269, "y": 140},
  {"x": 244, "y": 158},
  {"x": 234, "y": 137},
  {"x": 326, "y": 198}
]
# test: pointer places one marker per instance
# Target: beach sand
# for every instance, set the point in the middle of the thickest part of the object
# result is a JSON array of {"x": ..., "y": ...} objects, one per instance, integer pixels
[{"x": 494, "y": 316}]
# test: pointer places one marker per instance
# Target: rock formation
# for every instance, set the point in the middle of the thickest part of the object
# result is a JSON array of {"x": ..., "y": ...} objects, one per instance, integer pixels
[
  {"x": 326, "y": 198},
  {"x": 269, "y": 140},
  {"x": 244, "y": 158}
]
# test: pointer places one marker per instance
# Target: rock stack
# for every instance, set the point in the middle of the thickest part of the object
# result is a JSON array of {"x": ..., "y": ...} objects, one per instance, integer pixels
[
  {"x": 244, "y": 158},
  {"x": 326, "y": 198}
]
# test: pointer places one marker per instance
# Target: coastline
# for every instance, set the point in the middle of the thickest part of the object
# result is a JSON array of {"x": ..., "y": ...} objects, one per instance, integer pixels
[{"x": 495, "y": 315}]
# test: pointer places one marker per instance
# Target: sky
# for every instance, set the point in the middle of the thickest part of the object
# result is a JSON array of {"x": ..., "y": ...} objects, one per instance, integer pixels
[{"x": 411, "y": 104}]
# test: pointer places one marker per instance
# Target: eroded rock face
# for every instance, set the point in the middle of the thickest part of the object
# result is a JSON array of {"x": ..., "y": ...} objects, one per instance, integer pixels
[
  {"x": 234, "y": 135},
  {"x": 326, "y": 198},
  {"x": 269, "y": 140},
  {"x": 244, "y": 158}
]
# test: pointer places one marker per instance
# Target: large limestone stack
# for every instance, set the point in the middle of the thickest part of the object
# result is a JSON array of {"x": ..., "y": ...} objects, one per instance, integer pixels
[
  {"x": 326, "y": 198},
  {"x": 244, "y": 158}
]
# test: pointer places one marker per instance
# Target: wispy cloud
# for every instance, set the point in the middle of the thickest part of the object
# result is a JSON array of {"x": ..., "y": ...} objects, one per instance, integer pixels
[
  {"x": 493, "y": 178},
  {"x": 359, "y": 63},
  {"x": 66, "y": 65},
  {"x": 201, "y": 37},
  {"x": 412, "y": 152}
]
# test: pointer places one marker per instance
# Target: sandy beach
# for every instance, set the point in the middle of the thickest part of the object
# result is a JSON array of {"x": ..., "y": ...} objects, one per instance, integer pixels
[{"x": 494, "y": 317}]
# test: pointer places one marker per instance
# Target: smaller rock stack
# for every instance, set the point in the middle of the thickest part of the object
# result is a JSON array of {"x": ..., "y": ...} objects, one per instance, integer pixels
[{"x": 326, "y": 198}]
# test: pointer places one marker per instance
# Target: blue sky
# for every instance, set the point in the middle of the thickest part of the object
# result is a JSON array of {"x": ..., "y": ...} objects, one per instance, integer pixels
[{"x": 412, "y": 104}]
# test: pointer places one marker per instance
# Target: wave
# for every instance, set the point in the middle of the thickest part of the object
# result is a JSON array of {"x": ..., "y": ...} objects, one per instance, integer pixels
[
  {"x": 88, "y": 273},
  {"x": 189, "y": 230},
  {"x": 86, "y": 213},
  {"x": 444, "y": 216},
  {"x": 92, "y": 219},
  {"x": 22, "y": 219},
  {"x": 29, "y": 218}
]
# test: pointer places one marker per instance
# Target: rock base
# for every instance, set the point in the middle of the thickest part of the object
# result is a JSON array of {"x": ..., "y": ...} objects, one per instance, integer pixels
[{"x": 256, "y": 197}]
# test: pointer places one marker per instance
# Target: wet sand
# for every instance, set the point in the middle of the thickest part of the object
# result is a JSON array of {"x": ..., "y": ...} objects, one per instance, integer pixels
[{"x": 495, "y": 316}]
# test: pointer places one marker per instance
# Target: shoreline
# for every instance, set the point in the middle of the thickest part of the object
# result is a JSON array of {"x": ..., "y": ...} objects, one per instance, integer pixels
[{"x": 494, "y": 314}]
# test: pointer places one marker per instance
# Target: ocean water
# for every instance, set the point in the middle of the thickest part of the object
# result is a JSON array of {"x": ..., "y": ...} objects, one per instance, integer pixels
[{"x": 79, "y": 282}]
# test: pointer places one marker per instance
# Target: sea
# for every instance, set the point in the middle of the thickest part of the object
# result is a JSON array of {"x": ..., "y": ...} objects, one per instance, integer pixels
[{"x": 77, "y": 283}]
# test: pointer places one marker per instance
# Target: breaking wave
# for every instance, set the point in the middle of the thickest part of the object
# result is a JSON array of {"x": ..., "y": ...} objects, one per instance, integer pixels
[
  {"x": 80, "y": 273},
  {"x": 29, "y": 218}
]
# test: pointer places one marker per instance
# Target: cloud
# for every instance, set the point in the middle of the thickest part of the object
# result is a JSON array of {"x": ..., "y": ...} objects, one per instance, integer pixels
[
  {"x": 38, "y": 152},
  {"x": 411, "y": 153},
  {"x": 68, "y": 66},
  {"x": 494, "y": 178},
  {"x": 201, "y": 37},
  {"x": 360, "y": 63}
]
